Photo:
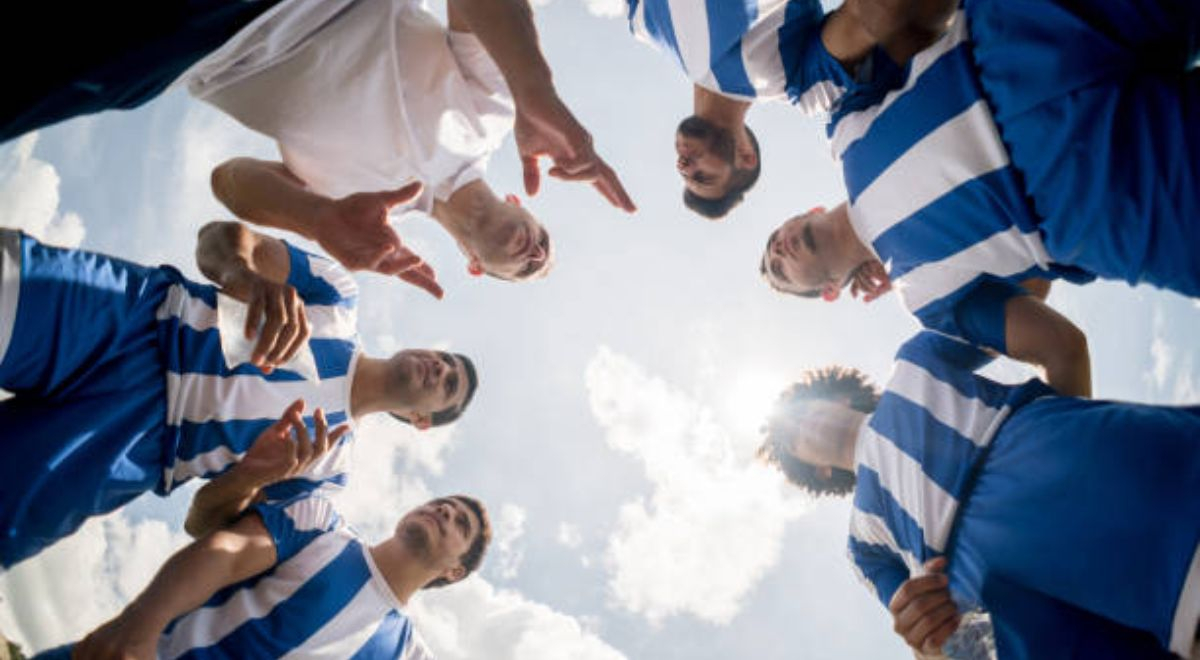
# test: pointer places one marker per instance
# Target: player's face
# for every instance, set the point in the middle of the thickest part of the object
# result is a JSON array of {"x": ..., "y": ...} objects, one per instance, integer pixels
[
  {"x": 440, "y": 530},
  {"x": 430, "y": 381},
  {"x": 517, "y": 246},
  {"x": 819, "y": 432},
  {"x": 704, "y": 157},
  {"x": 797, "y": 257}
]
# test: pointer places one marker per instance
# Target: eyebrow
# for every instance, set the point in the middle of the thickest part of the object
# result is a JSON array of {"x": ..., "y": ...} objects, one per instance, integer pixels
[
  {"x": 461, "y": 520},
  {"x": 808, "y": 237}
]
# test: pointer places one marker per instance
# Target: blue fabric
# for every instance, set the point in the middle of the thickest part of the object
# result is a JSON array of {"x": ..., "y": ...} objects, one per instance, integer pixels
[
  {"x": 312, "y": 289},
  {"x": 1101, "y": 115},
  {"x": 727, "y": 22},
  {"x": 389, "y": 640},
  {"x": 982, "y": 313},
  {"x": 84, "y": 431},
  {"x": 123, "y": 54},
  {"x": 282, "y": 528},
  {"x": 1091, "y": 503}
]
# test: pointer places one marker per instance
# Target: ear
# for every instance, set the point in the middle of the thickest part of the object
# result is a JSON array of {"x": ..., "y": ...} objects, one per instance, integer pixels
[
  {"x": 745, "y": 159},
  {"x": 474, "y": 267},
  {"x": 421, "y": 421},
  {"x": 513, "y": 199},
  {"x": 816, "y": 209},
  {"x": 454, "y": 574},
  {"x": 830, "y": 292}
]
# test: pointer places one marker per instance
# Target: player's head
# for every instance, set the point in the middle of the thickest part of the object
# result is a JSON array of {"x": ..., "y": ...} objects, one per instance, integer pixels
[
  {"x": 510, "y": 244},
  {"x": 430, "y": 388},
  {"x": 812, "y": 421},
  {"x": 813, "y": 255},
  {"x": 718, "y": 165},
  {"x": 449, "y": 535}
]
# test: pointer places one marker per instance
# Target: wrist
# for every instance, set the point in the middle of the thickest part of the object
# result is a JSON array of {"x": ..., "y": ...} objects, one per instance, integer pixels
[{"x": 246, "y": 481}]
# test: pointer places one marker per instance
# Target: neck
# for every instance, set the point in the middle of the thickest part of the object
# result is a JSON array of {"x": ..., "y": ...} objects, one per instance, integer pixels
[
  {"x": 853, "y": 252},
  {"x": 467, "y": 211},
  {"x": 405, "y": 574},
  {"x": 371, "y": 386},
  {"x": 723, "y": 111}
]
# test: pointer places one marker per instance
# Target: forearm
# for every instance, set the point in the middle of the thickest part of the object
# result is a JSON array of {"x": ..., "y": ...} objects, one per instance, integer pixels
[
  {"x": 507, "y": 31},
  {"x": 1038, "y": 334},
  {"x": 267, "y": 193},
  {"x": 225, "y": 254},
  {"x": 220, "y": 502}
]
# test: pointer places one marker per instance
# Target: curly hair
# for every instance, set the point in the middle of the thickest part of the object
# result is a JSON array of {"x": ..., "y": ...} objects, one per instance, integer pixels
[{"x": 840, "y": 384}]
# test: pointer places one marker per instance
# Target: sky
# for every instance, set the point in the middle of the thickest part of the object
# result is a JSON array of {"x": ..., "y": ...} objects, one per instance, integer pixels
[{"x": 621, "y": 398}]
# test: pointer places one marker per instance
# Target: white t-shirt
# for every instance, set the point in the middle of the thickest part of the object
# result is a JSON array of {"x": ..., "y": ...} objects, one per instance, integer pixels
[{"x": 363, "y": 95}]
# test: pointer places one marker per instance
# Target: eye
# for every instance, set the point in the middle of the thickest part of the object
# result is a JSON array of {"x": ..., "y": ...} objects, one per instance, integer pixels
[
  {"x": 462, "y": 523},
  {"x": 807, "y": 237},
  {"x": 777, "y": 270},
  {"x": 451, "y": 384}
]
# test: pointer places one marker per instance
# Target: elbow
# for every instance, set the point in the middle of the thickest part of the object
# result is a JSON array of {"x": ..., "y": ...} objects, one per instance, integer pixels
[
  {"x": 193, "y": 527},
  {"x": 1068, "y": 368}
]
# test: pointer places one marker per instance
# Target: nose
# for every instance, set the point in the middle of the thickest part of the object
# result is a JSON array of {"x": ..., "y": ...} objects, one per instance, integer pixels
[
  {"x": 777, "y": 246},
  {"x": 683, "y": 164}
]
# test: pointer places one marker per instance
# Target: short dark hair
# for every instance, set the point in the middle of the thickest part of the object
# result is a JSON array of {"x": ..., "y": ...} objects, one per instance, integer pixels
[
  {"x": 473, "y": 557},
  {"x": 451, "y": 414},
  {"x": 835, "y": 383},
  {"x": 740, "y": 182}
]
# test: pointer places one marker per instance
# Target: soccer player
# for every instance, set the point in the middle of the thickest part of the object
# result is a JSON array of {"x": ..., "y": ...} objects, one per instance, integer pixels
[
  {"x": 969, "y": 493},
  {"x": 362, "y": 95},
  {"x": 976, "y": 184},
  {"x": 739, "y": 53},
  {"x": 121, "y": 384},
  {"x": 292, "y": 579}
]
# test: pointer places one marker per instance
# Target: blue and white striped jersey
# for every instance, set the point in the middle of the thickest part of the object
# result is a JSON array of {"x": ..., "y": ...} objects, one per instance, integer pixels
[
  {"x": 932, "y": 191},
  {"x": 747, "y": 49},
  {"x": 214, "y": 413},
  {"x": 324, "y": 598},
  {"x": 915, "y": 456}
]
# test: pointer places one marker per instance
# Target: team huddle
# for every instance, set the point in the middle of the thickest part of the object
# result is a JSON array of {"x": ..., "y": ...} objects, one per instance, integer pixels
[{"x": 987, "y": 147}]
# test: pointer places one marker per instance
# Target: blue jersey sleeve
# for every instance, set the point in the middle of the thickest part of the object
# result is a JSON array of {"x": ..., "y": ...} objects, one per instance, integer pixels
[
  {"x": 980, "y": 314},
  {"x": 296, "y": 522},
  {"x": 879, "y": 567},
  {"x": 318, "y": 280}
]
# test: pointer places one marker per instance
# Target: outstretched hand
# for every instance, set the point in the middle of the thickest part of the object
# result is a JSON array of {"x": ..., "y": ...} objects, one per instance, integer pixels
[
  {"x": 357, "y": 233},
  {"x": 870, "y": 279},
  {"x": 545, "y": 127},
  {"x": 924, "y": 614},
  {"x": 286, "y": 449}
]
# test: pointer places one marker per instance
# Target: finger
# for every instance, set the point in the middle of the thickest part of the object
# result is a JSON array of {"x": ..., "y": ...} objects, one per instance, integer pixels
[
  {"x": 276, "y": 317},
  {"x": 578, "y": 172},
  {"x": 533, "y": 176},
  {"x": 402, "y": 195},
  {"x": 919, "y": 608},
  {"x": 322, "y": 427},
  {"x": 337, "y": 433},
  {"x": 935, "y": 565},
  {"x": 914, "y": 588},
  {"x": 253, "y": 316},
  {"x": 303, "y": 332},
  {"x": 937, "y": 639},
  {"x": 281, "y": 352},
  {"x": 610, "y": 186},
  {"x": 419, "y": 279},
  {"x": 398, "y": 261},
  {"x": 936, "y": 618}
]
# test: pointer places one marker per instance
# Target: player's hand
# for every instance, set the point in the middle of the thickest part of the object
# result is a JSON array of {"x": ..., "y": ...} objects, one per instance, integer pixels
[
  {"x": 119, "y": 639},
  {"x": 923, "y": 612},
  {"x": 276, "y": 315},
  {"x": 544, "y": 126},
  {"x": 870, "y": 279},
  {"x": 286, "y": 448},
  {"x": 355, "y": 231}
]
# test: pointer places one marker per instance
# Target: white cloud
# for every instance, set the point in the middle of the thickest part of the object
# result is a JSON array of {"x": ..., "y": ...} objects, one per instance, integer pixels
[
  {"x": 1171, "y": 369},
  {"x": 607, "y": 8},
  {"x": 29, "y": 196},
  {"x": 569, "y": 536},
  {"x": 507, "y": 552},
  {"x": 713, "y": 524},
  {"x": 476, "y": 620}
]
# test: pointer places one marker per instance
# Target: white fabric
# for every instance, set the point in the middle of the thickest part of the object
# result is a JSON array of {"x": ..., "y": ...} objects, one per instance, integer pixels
[
  {"x": 1187, "y": 611},
  {"x": 380, "y": 95}
]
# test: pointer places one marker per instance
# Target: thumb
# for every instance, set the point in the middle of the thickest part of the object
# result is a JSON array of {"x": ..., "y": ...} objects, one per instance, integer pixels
[
  {"x": 401, "y": 195},
  {"x": 936, "y": 565},
  {"x": 533, "y": 177}
]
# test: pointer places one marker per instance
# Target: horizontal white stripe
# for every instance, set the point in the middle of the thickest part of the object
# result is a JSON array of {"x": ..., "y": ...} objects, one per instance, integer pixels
[
  {"x": 200, "y": 398},
  {"x": 348, "y": 630},
  {"x": 201, "y": 464},
  {"x": 690, "y": 19},
  {"x": 924, "y": 500},
  {"x": 972, "y": 418},
  {"x": 855, "y": 125},
  {"x": 325, "y": 321},
  {"x": 332, "y": 272},
  {"x": 208, "y": 625},
  {"x": 1187, "y": 611},
  {"x": 960, "y": 150},
  {"x": 870, "y": 528},
  {"x": 1002, "y": 254},
  {"x": 10, "y": 284}
]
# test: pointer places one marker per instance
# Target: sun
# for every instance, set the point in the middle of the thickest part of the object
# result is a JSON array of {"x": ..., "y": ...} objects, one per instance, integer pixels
[{"x": 749, "y": 398}]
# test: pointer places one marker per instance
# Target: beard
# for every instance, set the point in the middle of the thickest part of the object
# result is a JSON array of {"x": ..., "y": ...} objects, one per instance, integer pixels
[
  {"x": 719, "y": 140},
  {"x": 416, "y": 539}
]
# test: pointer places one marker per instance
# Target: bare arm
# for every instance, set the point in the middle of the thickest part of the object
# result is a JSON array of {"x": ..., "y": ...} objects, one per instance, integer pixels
[
  {"x": 1037, "y": 287},
  {"x": 354, "y": 229},
  {"x": 544, "y": 125},
  {"x": 1036, "y": 333},
  {"x": 188, "y": 579},
  {"x": 902, "y": 27},
  {"x": 281, "y": 452}
]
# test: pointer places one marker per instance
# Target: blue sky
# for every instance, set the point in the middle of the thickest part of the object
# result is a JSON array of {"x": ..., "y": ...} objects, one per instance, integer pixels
[{"x": 620, "y": 400}]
